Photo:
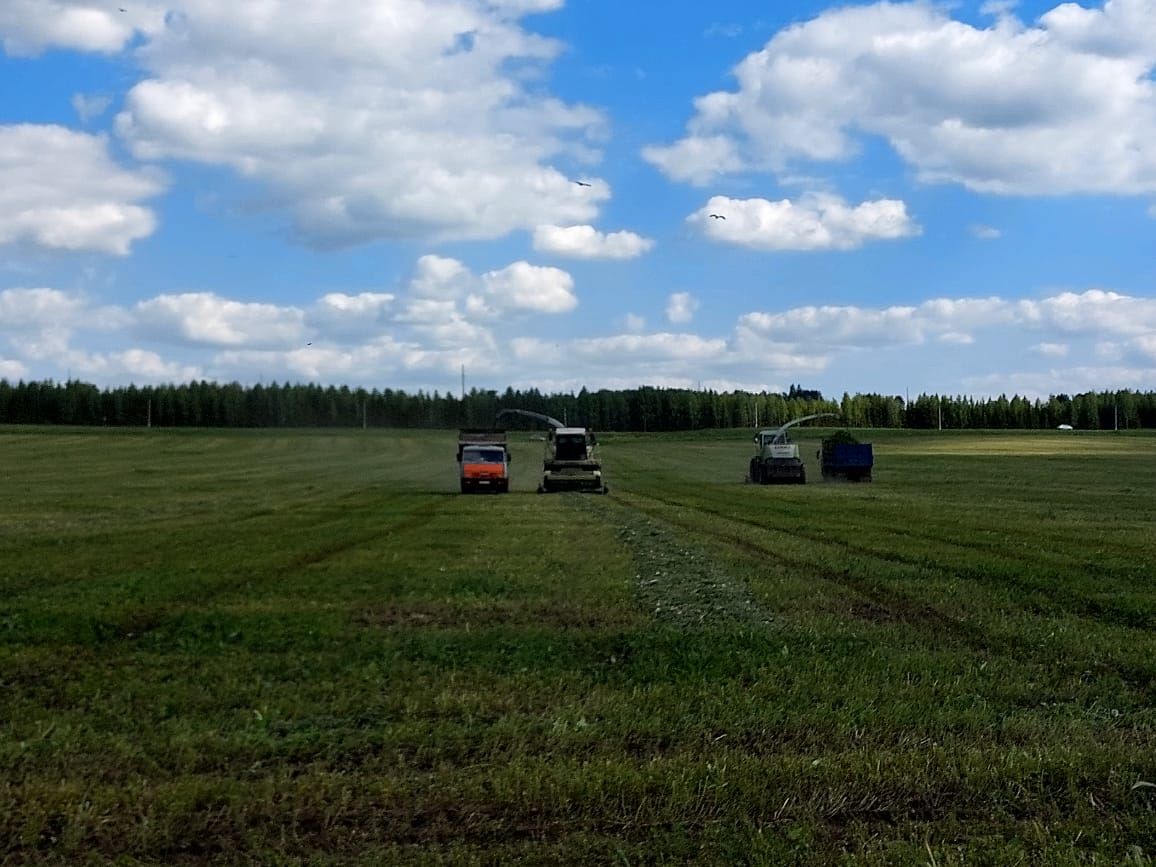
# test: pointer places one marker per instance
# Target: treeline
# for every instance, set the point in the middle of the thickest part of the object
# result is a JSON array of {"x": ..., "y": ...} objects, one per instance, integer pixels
[{"x": 211, "y": 404}]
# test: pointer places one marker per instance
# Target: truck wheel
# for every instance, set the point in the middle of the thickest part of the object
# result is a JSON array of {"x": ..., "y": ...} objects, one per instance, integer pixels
[
  {"x": 802, "y": 476},
  {"x": 465, "y": 486}
]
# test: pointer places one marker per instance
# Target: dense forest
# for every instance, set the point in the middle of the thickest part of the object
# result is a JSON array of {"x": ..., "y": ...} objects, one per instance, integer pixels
[{"x": 211, "y": 404}]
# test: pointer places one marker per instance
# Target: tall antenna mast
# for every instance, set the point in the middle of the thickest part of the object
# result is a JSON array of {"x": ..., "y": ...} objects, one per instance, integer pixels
[{"x": 463, "y": 382}]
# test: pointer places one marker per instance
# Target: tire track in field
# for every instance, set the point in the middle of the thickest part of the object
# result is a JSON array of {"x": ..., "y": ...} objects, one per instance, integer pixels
[
  {"x": 900, "y": 606},
  {"x": 678, "y": 582},
  {"x": 423, "y": 514},
  {"x": 1069, "y": 602}
]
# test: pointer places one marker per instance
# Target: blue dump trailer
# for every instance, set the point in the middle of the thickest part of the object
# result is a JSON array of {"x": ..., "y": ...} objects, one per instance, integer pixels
[{"x": 844, "y": 457}]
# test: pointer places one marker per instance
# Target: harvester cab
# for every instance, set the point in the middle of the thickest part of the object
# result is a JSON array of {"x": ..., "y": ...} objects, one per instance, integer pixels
[
  {"x": 776, "y": 459},
  {"x": 571, "y": 461}
]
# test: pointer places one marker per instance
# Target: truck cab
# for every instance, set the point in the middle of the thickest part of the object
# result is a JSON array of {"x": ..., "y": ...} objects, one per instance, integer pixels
[{"x": 483, "y": 461}]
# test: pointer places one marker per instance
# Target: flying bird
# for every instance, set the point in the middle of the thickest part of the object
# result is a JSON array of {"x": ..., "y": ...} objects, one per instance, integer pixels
[
  {"x": 583, "y": 184},
  {"x": 717, "y": 217}
]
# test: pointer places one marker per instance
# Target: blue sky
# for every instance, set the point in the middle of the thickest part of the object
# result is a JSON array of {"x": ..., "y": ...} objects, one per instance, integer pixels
[{"x": 955, "y": 198}]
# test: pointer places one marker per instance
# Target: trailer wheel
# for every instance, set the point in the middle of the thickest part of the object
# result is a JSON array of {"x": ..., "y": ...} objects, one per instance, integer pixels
[{"x": 465, "y": 486}]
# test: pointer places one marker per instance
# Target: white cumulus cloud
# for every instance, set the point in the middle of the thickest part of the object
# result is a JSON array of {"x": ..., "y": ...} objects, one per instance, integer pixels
[
  {"x": 206, "y": 318},
  {"x": 813, "y": 222},
  {"x": 338, "y": 314},
  {"x": 586, "y": 242},
  {"x": 440, "y": 277},
  {"x": 634, "y": 322},
  {"x": 681, "y": 307},
  {"x": 408, "y": 120},
  {"x": 12, "y": 370},
  {"x": 61, "y": 190},
  {"x": 27, "y": 27},
  {"x": 522, "y": 286},
  {"x": 1066, "y": 105}
]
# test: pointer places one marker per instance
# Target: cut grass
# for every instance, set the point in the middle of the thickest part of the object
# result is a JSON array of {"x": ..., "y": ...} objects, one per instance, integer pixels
[{"x": 303, "y": 647}]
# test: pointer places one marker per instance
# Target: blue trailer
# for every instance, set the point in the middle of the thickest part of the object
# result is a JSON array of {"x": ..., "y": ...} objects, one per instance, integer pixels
[{"x": 843, "y": 457}]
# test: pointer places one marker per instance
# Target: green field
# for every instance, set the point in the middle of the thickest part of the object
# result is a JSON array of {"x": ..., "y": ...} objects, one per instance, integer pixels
[{"x": 306, "y": 647}]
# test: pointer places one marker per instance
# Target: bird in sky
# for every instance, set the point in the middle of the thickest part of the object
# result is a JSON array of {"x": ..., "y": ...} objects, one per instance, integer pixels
[
  {"x": 582, "y": 184},
  {"x": 717, "y": 217}
]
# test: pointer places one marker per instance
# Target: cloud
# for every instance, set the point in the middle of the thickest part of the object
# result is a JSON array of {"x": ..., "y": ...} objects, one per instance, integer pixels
[
  {"x": 696, "y": 159},
  {"x": 816, "y": 221},
  {"x": 1052, "y": 350},
  {"x": 959, "y": 338},
  {"x": 439, "y": 277},
  {"x": 207, "y": 319},
  {"x": 634, "y": 322},
  {"x": 130, "y": 365},
  {"x": 522, "y": 286},
  {"x": 984, "y": 233},
  {"x": 12, "y": 370},
  {"x": 681, "y": 307},
  {"x": 338, "y": 314},
  {"x": 613, "y": 350},
  {"x": 412, "y": 118},
  {"x": 24, "y": 309},
  {"x": 1094, "y": 312},
  {"x": 586, "y": 242},
  {"x": 27, "y": 27},
  {"x": 89, "y": 107},
  {"x": 1067, "y": 380},
  {"x": 408, "y": 340},
  {"x": 59, "y": 189},
  {"x": 973, "y": 106}
]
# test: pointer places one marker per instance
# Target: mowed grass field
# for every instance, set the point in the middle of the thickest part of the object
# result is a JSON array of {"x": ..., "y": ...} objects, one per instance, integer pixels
[{"x": 307, "y": 648}]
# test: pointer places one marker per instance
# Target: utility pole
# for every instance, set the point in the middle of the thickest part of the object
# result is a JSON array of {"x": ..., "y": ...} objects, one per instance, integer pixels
[
  {"x": 463, "y": 382},
  {"x": 364, "y": 416},
  {"x": 149, "y": 421},
  {"x": 940, "y": 411}
]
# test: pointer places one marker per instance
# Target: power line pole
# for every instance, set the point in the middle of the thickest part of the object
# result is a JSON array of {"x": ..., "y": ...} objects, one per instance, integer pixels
[{"x": 463, "y": 382}]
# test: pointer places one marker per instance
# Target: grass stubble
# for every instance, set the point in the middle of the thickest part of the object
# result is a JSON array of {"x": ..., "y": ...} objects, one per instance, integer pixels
[{"x": 302, "y": 647}]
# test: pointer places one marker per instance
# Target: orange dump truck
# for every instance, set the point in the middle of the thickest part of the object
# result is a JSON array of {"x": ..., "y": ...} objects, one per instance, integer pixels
[{"x": 483, "y": 461}]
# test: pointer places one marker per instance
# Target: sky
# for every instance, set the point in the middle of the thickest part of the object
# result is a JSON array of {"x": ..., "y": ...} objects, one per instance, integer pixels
[{"x": 954, "y": 198}]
